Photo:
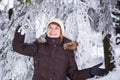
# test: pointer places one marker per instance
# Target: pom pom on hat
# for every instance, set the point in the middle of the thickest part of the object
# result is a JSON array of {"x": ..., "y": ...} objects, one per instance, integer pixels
[{"x": 59, "y": 21}]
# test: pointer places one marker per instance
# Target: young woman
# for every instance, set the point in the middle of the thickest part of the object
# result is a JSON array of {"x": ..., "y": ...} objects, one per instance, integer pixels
[{"x": 54, "y": 57}]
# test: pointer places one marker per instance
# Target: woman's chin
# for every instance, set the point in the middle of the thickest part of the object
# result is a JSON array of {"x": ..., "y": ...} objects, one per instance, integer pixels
[{"x": 52, "y": 36}]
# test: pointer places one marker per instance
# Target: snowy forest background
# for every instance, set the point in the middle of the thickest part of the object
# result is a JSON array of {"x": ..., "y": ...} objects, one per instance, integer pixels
[{"x": 94, "y": 24}]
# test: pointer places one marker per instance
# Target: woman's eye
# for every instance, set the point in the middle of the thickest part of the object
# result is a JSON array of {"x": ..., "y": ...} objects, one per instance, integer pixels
[
  {"x": 49, "y": 27},
  {"x": 57, "y": 28}
]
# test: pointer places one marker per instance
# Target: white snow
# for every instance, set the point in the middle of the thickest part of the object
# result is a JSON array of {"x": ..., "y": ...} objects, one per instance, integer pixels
[{"x": 8, "y": 3}]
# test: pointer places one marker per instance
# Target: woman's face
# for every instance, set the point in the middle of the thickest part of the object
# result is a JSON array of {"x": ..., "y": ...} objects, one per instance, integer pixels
[{"x": 53, "y": 31}]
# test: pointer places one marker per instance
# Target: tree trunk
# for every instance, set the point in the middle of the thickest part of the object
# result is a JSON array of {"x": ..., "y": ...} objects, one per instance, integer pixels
[{"x": 108, "y": 56}]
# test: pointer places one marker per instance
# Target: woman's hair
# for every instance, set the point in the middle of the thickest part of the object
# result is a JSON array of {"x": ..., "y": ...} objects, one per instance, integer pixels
[{"x": 61, "y": 34}]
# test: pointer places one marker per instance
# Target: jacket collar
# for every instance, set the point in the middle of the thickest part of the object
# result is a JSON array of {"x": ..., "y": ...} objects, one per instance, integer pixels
[
  {"x": 67, "y": 45},
  {"x": 52, "y": 41}
]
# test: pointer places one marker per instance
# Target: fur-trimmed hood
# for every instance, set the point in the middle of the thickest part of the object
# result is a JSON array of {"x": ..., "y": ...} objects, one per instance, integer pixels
[
  {"x": 67, "y": 46},
  {"x": 70, "y": 46}
]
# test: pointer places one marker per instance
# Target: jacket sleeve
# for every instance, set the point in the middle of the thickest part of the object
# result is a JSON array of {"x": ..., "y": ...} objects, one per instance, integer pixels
[
  {"x": 23, "y": 48},
  {"x": 73, "y": 73}
]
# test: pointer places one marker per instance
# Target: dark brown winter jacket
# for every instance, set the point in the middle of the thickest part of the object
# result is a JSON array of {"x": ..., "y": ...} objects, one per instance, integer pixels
[{"x": 52, "y": 61}]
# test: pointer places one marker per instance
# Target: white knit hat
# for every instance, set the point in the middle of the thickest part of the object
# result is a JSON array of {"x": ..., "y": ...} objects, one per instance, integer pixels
[{"x": 59, "y": 21}]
